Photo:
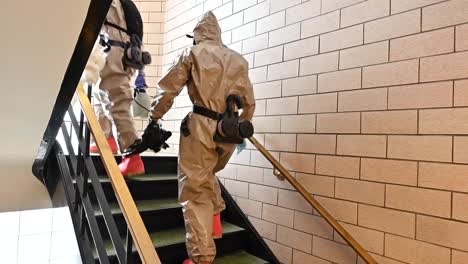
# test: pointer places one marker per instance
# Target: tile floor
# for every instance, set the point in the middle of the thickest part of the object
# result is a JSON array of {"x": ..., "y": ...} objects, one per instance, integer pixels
[{"x": 43, "y": 236}]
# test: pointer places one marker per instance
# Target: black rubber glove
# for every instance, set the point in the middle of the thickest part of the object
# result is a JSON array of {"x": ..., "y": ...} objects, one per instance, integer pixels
[{"x": 154, "y": 138}]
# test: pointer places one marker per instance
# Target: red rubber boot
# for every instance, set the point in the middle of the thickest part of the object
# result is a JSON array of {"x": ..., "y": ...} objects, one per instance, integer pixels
[
  {"x": 217, "y": 227},
  {"x": 132, "y": 166},
  {"x": 112, "y": 143}
]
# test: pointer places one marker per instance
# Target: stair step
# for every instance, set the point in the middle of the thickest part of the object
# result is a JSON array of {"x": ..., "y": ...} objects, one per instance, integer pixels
[
  {"x": 240, "y": 257},
  {"x": 171, "y": 237},
  {"x": 145, "y": 206}
]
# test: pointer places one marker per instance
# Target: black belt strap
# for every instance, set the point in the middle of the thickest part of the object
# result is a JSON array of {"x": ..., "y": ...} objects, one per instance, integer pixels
[
  {"x": 199, "y": 110},
  {"x": 107, "y": 23}
]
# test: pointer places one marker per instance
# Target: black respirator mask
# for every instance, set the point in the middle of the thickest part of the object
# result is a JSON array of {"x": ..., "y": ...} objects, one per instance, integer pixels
[
  {"x": 230, "y": 128},
  {"x": 134, "y": 57}
]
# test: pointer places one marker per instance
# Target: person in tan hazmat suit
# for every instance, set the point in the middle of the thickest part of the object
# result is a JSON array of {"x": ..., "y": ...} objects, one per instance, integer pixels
[
  {"x": 115, "y": 81},
  {"x": 211, "y": 72}
]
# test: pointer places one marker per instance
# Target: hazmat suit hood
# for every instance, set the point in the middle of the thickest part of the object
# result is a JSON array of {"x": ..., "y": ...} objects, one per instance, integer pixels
[{"x": 207, "y": 29}]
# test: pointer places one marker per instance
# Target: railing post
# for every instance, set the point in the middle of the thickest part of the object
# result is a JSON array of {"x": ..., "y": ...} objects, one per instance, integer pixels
[{"x": 129, "y": 247}]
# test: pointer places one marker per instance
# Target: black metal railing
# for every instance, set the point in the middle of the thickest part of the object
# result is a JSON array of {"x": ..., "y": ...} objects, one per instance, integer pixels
[{"x": 79, "y": 173}]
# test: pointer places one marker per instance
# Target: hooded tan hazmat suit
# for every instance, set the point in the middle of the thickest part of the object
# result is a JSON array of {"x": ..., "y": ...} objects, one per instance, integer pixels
[
  {"x": 211, "y": 72},
  {"x": 116, "y": 81}
]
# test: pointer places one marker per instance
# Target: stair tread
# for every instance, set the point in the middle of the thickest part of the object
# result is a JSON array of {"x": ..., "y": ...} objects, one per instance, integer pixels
[
  {"x": 172, "y": 236},
  {"x": 144, "y": 205},
  {"x": 239, "y": 257}
]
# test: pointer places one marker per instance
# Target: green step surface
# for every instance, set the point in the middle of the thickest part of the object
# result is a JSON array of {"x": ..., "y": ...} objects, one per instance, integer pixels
[
  {"x": 171, "y": 236},
  {"x": 144, "y": 206},
  {"x": 241, "y": 257}
]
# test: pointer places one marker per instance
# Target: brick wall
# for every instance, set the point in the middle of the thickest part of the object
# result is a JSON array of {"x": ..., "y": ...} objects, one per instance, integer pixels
[
  {"x": 152, "y": 12},
  {"x": 366, "y": 103}
]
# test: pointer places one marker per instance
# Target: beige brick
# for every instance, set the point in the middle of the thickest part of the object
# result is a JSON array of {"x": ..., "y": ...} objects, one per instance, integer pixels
[
  {"x": 430, "y": 148},
  {"x": 321, "y": 24},
  {"x": 424, "y": 201},
  {"x": 267, "y": 124},
  {"x": 443, "y": 121},
  {"x": 242, "y": 158},
  {"x": 341, "y": 210},
  {"x": 460, "y": 155},
  {"x": 319, "y": 63},
  {"x": 256, "y": 12},
  {"x": 300, "y": 86},
  {"x": 360, "y": 191},
  {"x": 442, "y": 232},
  {"x": 445, "y": 14},
  {"x": 260, "y": 107},
  {"x": 313, "y": 225},
  {"x": 280, "y": 142},
  {"x": 320, "y": 103},
  {"x": 249, "y": 174},
  {"x": 404, "y": 5},
  {"x": 258, "y": 75},
  {"x": 370, "y": 54},
  {"x": 345, "y": 167},
  {"x": 250, "y": 207},
  {"x": 258, "y": 160},
  {"x": 282, "y": 106},
  {"x": 301, "y": 258},
  {"x": 293, "y": 200},
  {"x": 461, "y": 38},
  {"x": 283, "y": 70},
  {"x": 278, "y": 215},
  {"x": 272, "y": 180},
  {"x": 263, "y": 194},
  {"x": 389, "y": 171},
  {"x": 339, "y": 123},
  {"x": 459, "y": 257},
  {"x": 283, "y": 253},
  {"x": 265, "y": 228},
  {"x": 460, "y": 206},
  {"x": 412, "y": 251},
  {"x": 303, "y": 11},
  {"x": 331, "y": 5},
  {"x": 340, "y": 81},
  {"x": 443, "y": 176},
  {"x": 382, "y": 29},
  {"x": 267, "y": 90},
  {"x": 301, "y": 48},
  {"x": 233, "y": 21},
  {"x": 319, "y": 185},
  {"x": 365, "y": 11},
  {"x": 285, "y": 35},
  {"x": 428, "y": 95},
  {"x": 333, "y": 251},
  {"x": 380, "y": 260},
  {"x": 243, "y": 4},
  {"x": 298, "y": 162},
  {"x": 390, "y": 122},
  {"x": 268, "y": 56},
  {"x": 278, "y": 5},
  {"x": 237, "y": 188},
  {"x": 371, "y": 240},
  {"x": 391, "y": 74},
  {"x": 372, "y": 99},
  {"x": 445, "y": 67},
  {"x": 270, "y": 22},
  {"x": 150, "y": 7},
  {"x": 341, "y": 39},
  {"x": 362, "y": 145},
  {"x": 425, "y": 44},
  {"x": 298, "y": 124},
  {"x": 461, "y": 93},
  {"x": 320, "y": 144},
  {"x": 256, "y": 43},
  {"x": 243, "y": 32},
  {"x": 390, "y": 221},
  {"x": 294, "y": 239}
]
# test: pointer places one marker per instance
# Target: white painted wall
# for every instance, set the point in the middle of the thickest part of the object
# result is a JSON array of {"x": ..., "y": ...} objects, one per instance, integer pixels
[{"x": 38, "y": 39}]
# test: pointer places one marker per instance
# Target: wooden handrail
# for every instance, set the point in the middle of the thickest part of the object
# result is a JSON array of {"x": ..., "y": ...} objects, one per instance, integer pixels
[
  {"x": 140, "y": 235},
  {"x": 280, "y": 170}
]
